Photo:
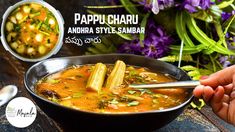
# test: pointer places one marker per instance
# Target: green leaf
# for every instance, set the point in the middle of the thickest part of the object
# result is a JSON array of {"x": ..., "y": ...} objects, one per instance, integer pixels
[
  {"x": 143, "y": 24},
  {"x": 194, "y": 73},
  {"x": 220, "y": 33},
  {"x": 175, "y": 58},
  {"x": 187, "y": 49},
  {"x": 225, "y": 3},
  {"x": 203, "y": 15},
  {"x": 229, "y": 24},
  {"x": 204, "y": 39},
  {"x": 129, "y": 6},
  {"x": 181, "y": 29},
  {"x": 188, "y": 68}
]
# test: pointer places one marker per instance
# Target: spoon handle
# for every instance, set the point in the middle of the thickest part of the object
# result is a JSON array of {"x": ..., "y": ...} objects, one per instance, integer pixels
[{"x": 179, "y": 84}]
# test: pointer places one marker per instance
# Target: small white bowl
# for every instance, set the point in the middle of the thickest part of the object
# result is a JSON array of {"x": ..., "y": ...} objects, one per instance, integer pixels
[{"x": 58, "y": 17}]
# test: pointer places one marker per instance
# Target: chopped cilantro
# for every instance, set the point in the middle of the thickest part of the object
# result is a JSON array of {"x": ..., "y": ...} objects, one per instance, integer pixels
[
  {"x": 77, "y": 95},
  {"x": 131, "y": 92},
  {"x": 133, "y": 103},
  {"x": 114, "y": 101}
]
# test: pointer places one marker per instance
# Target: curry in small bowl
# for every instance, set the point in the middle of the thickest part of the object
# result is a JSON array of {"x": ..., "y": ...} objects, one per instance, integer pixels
[
  {"x": 104, "y": 88},
  {"x": 32, "y": 31}
]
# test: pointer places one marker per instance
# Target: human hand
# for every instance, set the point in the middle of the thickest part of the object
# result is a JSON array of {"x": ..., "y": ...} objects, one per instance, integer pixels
[{"x": 219, "y": 91}]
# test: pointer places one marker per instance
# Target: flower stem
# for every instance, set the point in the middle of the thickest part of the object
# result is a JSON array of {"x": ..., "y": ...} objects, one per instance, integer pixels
[{"x": 213, "y": 63}]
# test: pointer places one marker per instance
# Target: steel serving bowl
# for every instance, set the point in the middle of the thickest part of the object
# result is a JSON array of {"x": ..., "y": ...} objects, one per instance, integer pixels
[
  {"x": 84, "y": 120},
  {"x": 58, "y": 17}
]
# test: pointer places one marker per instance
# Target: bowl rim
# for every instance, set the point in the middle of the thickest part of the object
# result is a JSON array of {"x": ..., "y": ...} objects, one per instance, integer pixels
[
  {"x": 59, "y": 19},
  {"x": 99, "y": 113}
]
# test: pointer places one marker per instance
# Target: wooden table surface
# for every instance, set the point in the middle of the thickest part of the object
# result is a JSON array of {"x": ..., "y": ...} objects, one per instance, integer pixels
[{"x": 12, "y": 72}]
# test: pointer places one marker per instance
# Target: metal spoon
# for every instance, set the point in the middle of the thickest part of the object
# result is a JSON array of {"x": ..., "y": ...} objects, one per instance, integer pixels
[
  {"x": 179, "y": 84},
  {"x": 7, "y": 93}
]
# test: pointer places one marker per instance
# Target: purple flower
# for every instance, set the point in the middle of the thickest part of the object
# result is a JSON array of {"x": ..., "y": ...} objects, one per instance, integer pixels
[
  {"x": 226, "y": 61},
  {"x": 156, "y": 5},
  {"x": 226, "y": 15},
  {"x": 157, "y": 42},
  {"x": 155, "y": 45},
  {"x": 132, "y": 47},
  {"x": 192, "y": 6},
  {"x": 230, "y": 39},
  {"x": 147, "y": 4},
  {"x": 113, "y": 2}
]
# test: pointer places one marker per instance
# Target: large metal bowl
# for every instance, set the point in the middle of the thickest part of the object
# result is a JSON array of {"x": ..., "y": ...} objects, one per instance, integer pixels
[
  {"x": 58, "y": 17},
  {"x": 84, "y": 120}
]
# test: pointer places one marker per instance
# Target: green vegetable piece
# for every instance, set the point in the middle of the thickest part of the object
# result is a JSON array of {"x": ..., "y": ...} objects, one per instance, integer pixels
[
  {"x": 114, "y": 101},
  {"x": 9, "y": 26},
  {"x": 131, "y": 92},
  {"x": 35, "y": 14},
  {"x": 133, "y": 103}
]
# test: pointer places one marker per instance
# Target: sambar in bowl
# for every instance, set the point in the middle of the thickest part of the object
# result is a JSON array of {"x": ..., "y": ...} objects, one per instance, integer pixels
[
  {"x": 85, "y": 92},
  {"x": 32, "y": 30}
]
